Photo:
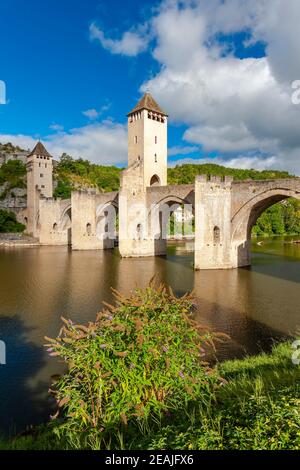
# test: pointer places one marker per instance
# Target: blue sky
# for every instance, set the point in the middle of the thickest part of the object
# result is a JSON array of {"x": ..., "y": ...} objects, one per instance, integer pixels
[
  {"x": 54, "y": 71},
  {"x": 74, "y": 69}
]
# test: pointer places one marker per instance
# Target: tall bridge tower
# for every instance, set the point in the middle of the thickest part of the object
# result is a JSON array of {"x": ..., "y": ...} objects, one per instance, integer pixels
[
  {"x": 148, "y": 141},
  {"x": 39, "y": 183}
]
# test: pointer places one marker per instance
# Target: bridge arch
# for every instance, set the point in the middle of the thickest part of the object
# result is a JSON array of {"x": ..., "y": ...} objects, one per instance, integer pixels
[
  {"x": 65, "y": 223},
  {"x": 159, "y": 218},
  {"x": 246, "y": 217},
  {"x": 106, "y": 223}
]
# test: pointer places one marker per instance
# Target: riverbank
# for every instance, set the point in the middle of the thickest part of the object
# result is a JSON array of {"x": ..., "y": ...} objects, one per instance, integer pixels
[
  {"x": 256, "y": 409},
  {"x": 17, "y": 240}
]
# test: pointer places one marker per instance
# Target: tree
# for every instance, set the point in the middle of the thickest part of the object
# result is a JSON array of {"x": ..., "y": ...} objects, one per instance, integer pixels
[{"x": 9, "y": 223}]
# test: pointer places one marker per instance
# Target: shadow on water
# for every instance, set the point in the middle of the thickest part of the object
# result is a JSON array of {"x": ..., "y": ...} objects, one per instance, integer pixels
[
  {"x": 22, "y": 398},
  {"x": 245, "y": 336}
]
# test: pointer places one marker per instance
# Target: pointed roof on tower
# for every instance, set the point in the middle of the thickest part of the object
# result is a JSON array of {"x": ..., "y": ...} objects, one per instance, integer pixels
[
  {"x": 149, "y": 103},
  {"x": 40, "y": 151}
]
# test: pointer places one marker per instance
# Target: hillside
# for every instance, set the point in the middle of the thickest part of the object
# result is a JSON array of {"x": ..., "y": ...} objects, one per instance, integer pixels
[
  {"x": 12, "y": 179},
  {"x": 12, "y": 174},
  {"x": 10, "y": 148},
  {"x": 186, "y": 174},
  {"x": 71, "y": 174}
]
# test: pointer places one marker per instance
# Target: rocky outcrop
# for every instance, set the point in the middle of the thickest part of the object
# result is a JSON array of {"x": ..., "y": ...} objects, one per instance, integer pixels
[{"x": 14, "y": 198}]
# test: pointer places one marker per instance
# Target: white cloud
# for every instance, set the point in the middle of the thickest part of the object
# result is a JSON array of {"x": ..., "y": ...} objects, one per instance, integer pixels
[
  {"x": 231, "y": 105},
  {"x": 104, "y": 143},
  {"x": 239, "y": 107},
  {"x": 56, "y": 127},
  {"x": 182, "y": 150},
  {"x": 23, "y": 141},
  {"x": 91, "y": 114},
  {"x": 94, "y": 114},
  {"x": 131, "y": 43}
]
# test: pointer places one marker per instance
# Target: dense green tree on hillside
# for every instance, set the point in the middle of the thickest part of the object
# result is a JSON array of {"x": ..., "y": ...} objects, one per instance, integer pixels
[
  {"x": 13, "y": 171},
  {"x": 71, "y": 173},
  {"x": 9, "y": 223},
  {"x": 12, "y": 175},
  {"x": 186, "y": 174},
  {"x": 63, "y": 189}
]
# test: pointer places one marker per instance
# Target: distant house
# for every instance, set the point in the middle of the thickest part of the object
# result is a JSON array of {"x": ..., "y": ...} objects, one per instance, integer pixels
[{"x": 183, "y": 216}]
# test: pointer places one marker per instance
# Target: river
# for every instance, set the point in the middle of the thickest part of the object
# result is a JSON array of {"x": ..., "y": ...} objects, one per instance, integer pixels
[{"x": 254, "y": 306}]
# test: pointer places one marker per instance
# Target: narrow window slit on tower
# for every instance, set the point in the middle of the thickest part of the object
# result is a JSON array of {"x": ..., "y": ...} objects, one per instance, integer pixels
[
  {"x": 217, "y": 235},
  {"x": 89, "y": 229},
  {"x": 139, "y": 231}
]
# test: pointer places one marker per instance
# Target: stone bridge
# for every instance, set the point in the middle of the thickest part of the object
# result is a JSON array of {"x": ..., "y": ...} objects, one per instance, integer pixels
[
  {"x": 225, "y": 212},
  {"x": 136, "y": 216}
]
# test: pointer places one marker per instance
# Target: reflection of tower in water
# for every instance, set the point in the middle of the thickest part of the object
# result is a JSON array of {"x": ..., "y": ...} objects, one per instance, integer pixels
[{"x": 173, "y": 270}]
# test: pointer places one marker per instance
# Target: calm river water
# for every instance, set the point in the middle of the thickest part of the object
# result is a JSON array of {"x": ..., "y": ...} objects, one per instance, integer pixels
[{"x": 254, "y": 306}]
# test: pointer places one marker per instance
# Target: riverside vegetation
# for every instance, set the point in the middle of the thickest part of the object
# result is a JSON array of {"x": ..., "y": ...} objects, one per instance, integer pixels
[
  {"x": 138, "y": 379},
  {"x": 9, "y": 223}
]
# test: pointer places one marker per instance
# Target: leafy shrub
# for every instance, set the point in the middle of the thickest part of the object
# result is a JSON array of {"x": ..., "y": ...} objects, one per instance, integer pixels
[
  {"x": 63, "y": 189},
  {"x": 9, "y": 223},
  {"x": 140, "y": 360},
  {"x": 13, "y": 171},
  {"x": 72, "y": 174}
]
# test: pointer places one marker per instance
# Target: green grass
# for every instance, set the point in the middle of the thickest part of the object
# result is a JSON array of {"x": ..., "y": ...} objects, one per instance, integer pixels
[
  {"x": 42, "y": 439},
  {"x": 258, "y": 408}
]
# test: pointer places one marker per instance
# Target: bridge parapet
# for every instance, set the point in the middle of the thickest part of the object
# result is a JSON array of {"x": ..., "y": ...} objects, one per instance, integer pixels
[{"x": 214, "y": 179}]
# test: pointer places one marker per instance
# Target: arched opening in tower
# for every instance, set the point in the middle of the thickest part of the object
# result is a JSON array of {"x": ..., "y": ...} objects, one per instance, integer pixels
[{"x": 155, "y": 181}]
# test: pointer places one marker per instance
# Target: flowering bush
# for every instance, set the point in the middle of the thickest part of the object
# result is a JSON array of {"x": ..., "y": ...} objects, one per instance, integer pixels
[{"x": 140, "y": 360}]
